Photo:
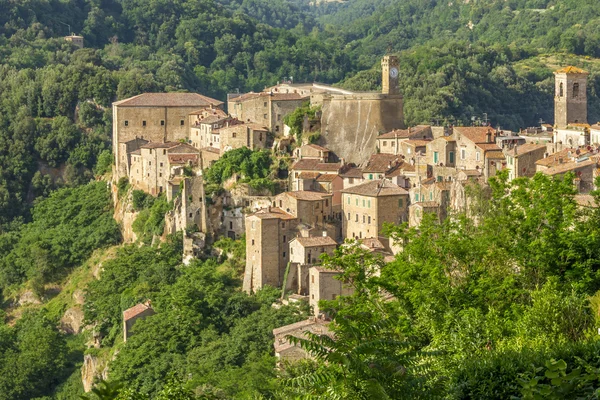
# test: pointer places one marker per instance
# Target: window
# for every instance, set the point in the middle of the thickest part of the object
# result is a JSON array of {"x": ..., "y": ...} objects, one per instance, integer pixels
[
  {"x": 265, "y": 116},
  {"x": 356, "y": 219},
  {"x": 260, "y": 137},
  {"x": 143, "y": 123},
  {"x": 351, "y": 180},
  {"x": 160, "y": 175},
  {"x": 265, "y": 104},
  {"x": 283, "y": 225},
  {"x": 463, "y": 154},
  {"x": 416, "y": 196},
  {"x": 233, "y": 134},
  {"x": 161, "y": 164},
  {"x": 364, "y": 219},
  {"x": 126, "y": 123},
  {"x": 231, "y": 225},
  {"x": 317, "y": 206},
  {"x": 348, "y": 199},
  {"x": 393, "y": 144},
  {"x": 430, "y": 195},
  {"x": 312, "y": 280},
  {"x": 278, "y": 117},
  {"x": 435, "y": 157},
  {"x": 356, "y": 201},
  {"x": 284, "y": 254},
  {"x": 284, "y": 238},
  {"x": 400, "y": 203},
  {"x": 162, "y": 122},
  {"x": 561, "y": 90},
  {"x": 364, "y": 202},
  {"x": 149, "y": 162},
  {"x": 326, "y": 202},
  {"x": 576, "y": 90},
  {"x": 291, "y": 250},
  {"x": 191, "y": 215},
  {"x": 252, "y": 242},
  {"x": 510, "y": 160},
  {"x": 385, "y": 143},
  {"x": 422, "y": 197},
  {"x": 371, "y": 176},
  {"x": 181, "y": 122},
  {"x": 164, "y": 153},
  {"x": 477, "y": 156},
  {"x": 369, "y": 203},
  {"x": 369, "y": 219},
  {"x": 348, "y": 216},
  {"x": 451, "y": 157}
]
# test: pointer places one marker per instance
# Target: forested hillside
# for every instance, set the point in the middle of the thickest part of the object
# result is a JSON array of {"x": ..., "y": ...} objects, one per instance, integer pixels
[{"x": 473, "y": 307}]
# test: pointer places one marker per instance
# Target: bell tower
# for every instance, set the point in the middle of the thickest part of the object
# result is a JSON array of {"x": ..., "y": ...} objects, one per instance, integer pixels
[
  {"x": 389, "y": 75},
  {"x": 570, "y": 96}
]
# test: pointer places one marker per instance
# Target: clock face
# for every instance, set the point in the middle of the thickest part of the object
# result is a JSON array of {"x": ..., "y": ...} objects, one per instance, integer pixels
[{"x": 394, "y": 72}]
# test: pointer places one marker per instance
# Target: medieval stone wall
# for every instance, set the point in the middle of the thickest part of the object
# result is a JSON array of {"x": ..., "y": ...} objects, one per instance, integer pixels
[{"x": 350, "y": 124}]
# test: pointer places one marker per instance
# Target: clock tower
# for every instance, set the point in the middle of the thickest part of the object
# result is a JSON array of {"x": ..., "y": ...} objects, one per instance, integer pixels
[{"x": 389, "y": 75}]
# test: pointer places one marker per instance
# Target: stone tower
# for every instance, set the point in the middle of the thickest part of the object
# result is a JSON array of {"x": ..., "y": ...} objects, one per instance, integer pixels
[
  {"x": 389, "y": 75},
  {"x": 570, "y": 96}
]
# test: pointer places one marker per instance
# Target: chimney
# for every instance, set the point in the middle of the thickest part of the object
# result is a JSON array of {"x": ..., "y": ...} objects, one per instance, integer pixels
[
  {"x": 342, "y": 162},
  {"x": 515, "y": 149},
  {"x": 488, "y": 136},
  {"x": 409, "y": 130}
]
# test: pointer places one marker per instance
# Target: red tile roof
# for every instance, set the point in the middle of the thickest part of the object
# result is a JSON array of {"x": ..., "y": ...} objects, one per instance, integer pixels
[
  {"x": 382, "y": 162},
  {"x": 327, "y": 177},
  {"x": 315, "y": 165},
  {"x": 136, "y": 310},
  {"x": 476, "y": 134},
  {"x": 308, "y": 195},
  {"x": 376, "y": 188},
  {"x": 405, "y": 133},
  {"x": 168, "y": 100},
  {"x": 316, "y": 241},
  {"x": 159, "y": 145},
  {"x": 183, "y": 158},
  {"x": 272, "y": 213}
]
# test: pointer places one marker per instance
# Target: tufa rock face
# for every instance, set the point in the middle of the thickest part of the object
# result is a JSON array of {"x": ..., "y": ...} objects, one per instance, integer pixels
[
  {"x": 28, "y": 297},
  {"x": 72, "y": 321},
  {"x": 89, "y": 371}
]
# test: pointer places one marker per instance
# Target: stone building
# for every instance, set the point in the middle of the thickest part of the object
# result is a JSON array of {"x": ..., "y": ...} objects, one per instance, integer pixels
[
  {"x": 312, "y": 152},
  {"x": 205, "y": 133},
  {"x": 311, "y": 167},
  {"x": 570, "y": 97},
  {"x": 351, "y": 123},
  {"x": 323, "y": 285},
  {"x": 308, "y": 250},
  {"x": 584, "y": 172},
  {"x": 131, "y": 315},
  {"x": 595, "y": 134},
  {"x": 368, "y": 206},
  {"x": 285, "y": 351},
  {"x": 520, "y": 160},
  {"x": 477, "y": 150},
  {"x": 310, "y": 208},
  {"x": 326, "y": 183},
  {"x": 155, "y": 117},
  {"x": 389, "y": 143},
  {"x": 268, "y": 232},
  {"x": 235, "y": 136},
  {"x": 267, "y": 108},
  {"x": 75, "y": 39},
  {"x": 352, "y": 176}
]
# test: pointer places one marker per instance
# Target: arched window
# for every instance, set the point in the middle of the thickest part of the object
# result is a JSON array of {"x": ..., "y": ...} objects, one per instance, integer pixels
[
  {"x": 576, "y": 90},
  {"x": 561, "y": 90}
]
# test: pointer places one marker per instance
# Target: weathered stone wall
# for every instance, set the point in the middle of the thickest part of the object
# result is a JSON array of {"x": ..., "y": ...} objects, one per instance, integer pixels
[{"x": 350, "y": 124}]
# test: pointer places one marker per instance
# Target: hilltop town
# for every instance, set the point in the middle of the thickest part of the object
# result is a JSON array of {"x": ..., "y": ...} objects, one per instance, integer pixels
[{"x": 364, "y": 170}]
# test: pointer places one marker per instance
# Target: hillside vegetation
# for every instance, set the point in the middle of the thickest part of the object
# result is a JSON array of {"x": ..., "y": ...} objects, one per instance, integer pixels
[{"x": 507, "y": 307}]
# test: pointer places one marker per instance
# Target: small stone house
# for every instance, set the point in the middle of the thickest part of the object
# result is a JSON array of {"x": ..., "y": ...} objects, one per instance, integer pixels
[
  {"x": 288, "y": 352},
  {"x": 253, "y": 136},
  {"x": 390, "y": 143},
  {"x": 323, "y": 285},
  {"x": 520, "y": 160},
  {"x": 312, "y": 152},
  {"x": 131, "y": 315},
  {"x": 417, "y": 210},
  {"x": 308, "y": 250}
]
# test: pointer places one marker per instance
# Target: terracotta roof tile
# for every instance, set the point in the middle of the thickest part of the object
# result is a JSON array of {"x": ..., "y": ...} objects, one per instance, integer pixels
[
  {"x": 315, "y": 165},
  {"x": 136, "y": 310},
  {"x": 376, "y": 188},
  {"x": 308, "y": 195},
  {"x": 309, "y": 175},
  {"x": 526, "y": 148},
  {"x": 168, "y": 100},
  {"x": 566, "y": 167},
  {"x": 555, "y": 159},
  {"x": 211, "y": 150},
  {"x": 495, "y": 155},
  {"x": 183, "y": 148},
  {"x": 381, "y": 162},
  {"x": 327, "y": 177},
  {"x": 316, "y": 241},
  {"x": 315, "y": 146},
  {"x": 570, "y": 70},
  {"x": 352, "y": 172},
  {"x": 272, "y": 213},
  {"x": 159, "y": 145},
  {"x": 405, "y": 133},
  {"x": 476, "y": 134},
  {"x": 183, "y": 158}
]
